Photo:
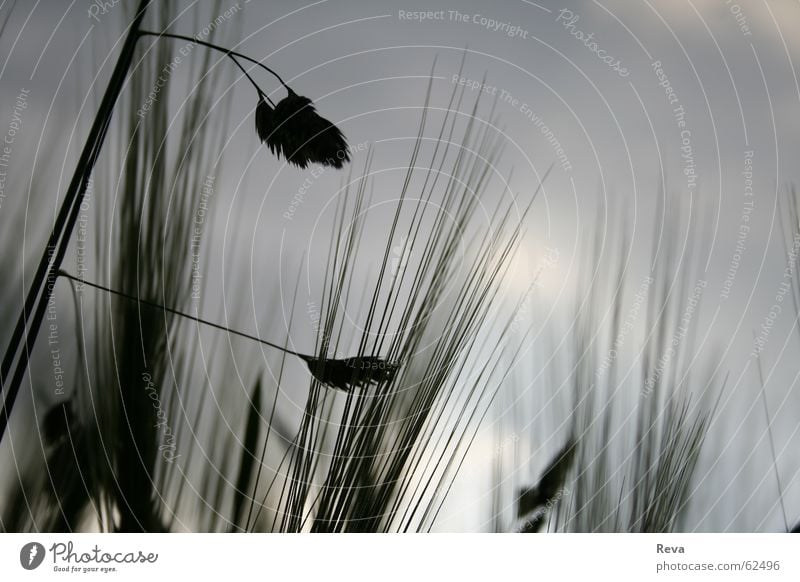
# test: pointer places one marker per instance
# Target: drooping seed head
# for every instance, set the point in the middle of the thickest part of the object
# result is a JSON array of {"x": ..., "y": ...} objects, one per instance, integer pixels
[
  {"x": 349, "y": 373},
  {"x": 297, "y": 132},
  {"x": 265, "y": 120}
]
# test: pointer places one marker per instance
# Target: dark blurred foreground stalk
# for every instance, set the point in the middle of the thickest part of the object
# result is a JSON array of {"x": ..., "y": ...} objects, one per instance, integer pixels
[{"x": 41, "y": 289}]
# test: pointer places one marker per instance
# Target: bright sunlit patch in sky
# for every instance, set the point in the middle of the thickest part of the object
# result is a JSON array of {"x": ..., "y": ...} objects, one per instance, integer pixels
[{"x": 535, "y": 271}]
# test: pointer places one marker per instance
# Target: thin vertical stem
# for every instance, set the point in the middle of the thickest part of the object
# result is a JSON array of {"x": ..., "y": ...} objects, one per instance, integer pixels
[
  {"x": 772, "y": 444},
  {"x": 44, "y": 279}
]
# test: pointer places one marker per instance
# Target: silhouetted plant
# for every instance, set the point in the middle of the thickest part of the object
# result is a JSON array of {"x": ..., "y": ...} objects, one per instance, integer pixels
[
  {"x": 292, "y": 128},
  {"x": 299, "y": 134},
  {"x": 533, "y": 502},
  {"x": 342, "y": 374},
  {"x": 295, "y": 130}
]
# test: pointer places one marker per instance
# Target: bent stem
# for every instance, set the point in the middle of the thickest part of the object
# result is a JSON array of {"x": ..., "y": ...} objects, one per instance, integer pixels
[
  {"x": 66, "y": 275},
  {"x": 261, "y": 93},
  {"x": 230, "y": 53},
  {"x": 341, "y": 374}
]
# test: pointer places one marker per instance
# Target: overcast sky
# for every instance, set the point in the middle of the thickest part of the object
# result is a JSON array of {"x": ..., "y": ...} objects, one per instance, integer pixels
[{"x": 615, "y": 95}]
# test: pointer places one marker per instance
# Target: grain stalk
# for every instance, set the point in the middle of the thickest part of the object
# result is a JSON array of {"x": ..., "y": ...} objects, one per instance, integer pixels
[{"x": 292, "y": 129}]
